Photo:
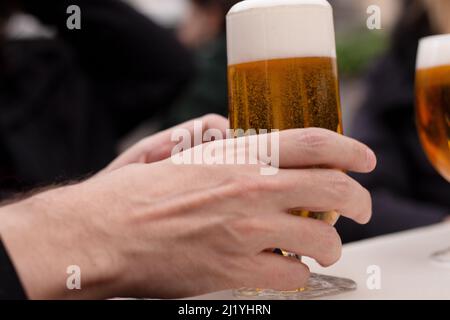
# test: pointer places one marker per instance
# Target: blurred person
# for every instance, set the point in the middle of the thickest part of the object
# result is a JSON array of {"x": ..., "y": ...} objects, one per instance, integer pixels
[
  {"x": 65, "y": 102},
  {"x": 203, "y": 32},
  {"x": 141, "y": 228},
  {"x": 407, "y": 191}
]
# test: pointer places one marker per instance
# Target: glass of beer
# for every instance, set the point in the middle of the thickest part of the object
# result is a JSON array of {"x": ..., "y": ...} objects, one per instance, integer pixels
[
  {"x": 433, "y": 108},
  {"x": 282, "y": 74}
]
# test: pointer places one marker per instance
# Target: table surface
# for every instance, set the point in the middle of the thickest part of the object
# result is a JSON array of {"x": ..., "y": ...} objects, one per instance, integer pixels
[{"x": 406, "y": 270}]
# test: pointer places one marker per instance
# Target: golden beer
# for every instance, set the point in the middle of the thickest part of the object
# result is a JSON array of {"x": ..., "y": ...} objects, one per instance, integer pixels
[
  {"x": 433, "y": 115},
  {"x": 433, "y": 100},
  {"x": 282, "y": 71},
  {"x": 286, "y": 94}
]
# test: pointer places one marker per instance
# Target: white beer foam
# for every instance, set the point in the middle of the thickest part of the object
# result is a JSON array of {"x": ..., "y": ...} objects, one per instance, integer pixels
[
  {"x": 434, "y": 51},
  {"x": 277, "y": 29}
]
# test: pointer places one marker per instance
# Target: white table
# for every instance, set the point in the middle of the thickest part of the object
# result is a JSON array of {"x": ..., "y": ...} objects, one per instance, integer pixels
[{"x": 403, "y": 259}]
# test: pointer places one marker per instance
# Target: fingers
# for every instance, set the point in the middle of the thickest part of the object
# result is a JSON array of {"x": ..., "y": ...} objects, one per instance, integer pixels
[
  {"x": 275, "y": 272},
  {"x": 316, "y": 190},
  {"x": 305, "y": 237},
  {"x": 159, "y": 146},
  {"x": 214, "y": 121},
  {"x": 203, "y": 124},
  {"x": 324, "y": 190},
  {"x": 302, "y": 148}
]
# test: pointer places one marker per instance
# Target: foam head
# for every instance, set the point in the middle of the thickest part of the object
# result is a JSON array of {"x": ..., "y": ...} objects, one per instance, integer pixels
[
  {"x": 434, "y": 51},
  {"x": 275, "y": 29}
]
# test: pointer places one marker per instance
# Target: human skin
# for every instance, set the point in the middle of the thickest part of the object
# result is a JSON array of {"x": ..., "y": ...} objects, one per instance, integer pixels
[
  {"x": 145, "y": 227},
  {"x": 201, "y": 24},
  {"x": 439, "y": 10}
]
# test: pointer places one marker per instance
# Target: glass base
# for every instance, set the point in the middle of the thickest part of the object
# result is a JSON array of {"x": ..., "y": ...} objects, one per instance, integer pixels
[
  {"x": 318, "y": 286},
  {"x": 442, "y": 257}
]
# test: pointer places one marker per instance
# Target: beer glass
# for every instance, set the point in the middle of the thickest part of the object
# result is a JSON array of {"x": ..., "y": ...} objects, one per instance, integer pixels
[
  {"x": 282, "y": 74},
  {"x": 433, "y": 108}
]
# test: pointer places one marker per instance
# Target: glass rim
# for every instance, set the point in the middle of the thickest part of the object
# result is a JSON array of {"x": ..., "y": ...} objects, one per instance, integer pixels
[
  {"x": 433, "y": 51},
  {"x": 247, "y": 5},
  {"x": 436, "y": 37}
]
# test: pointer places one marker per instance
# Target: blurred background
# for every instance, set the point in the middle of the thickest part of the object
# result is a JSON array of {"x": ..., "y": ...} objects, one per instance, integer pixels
[
  {"x": 70, "y": 101},
  {"x": 357, "y": 46}
]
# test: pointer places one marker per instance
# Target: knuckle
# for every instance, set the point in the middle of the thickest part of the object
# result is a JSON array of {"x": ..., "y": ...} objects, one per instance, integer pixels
[
  {"x": 303, "y": 275},
  {"x": 249, "y": 185},
  {"x": 143, "y": 143},
  {"x": 366, "y": 214},
  {"x": 271, "y": 184},
  {"x": 292, "y": 278},
  {"x": 370, "y": 203},
  {"x": 212, "y": 118},
  {"x": 242, "y": 231},
  {"x": 341, "y": 185},
  {"x": 358, "y": 155},
  {"x": 313, "y": 138},
  {"x": 332, "y": 245},
  {"x": 252, "y": 184},
  {"x": 239, "y": 187},
  {"x": 250, "y": 228}
]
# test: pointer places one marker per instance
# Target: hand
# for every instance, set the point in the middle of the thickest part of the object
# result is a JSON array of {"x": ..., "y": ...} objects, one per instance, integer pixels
[
  {"x": 159, "y": 146},
  {"x": 162, "y": 230}
]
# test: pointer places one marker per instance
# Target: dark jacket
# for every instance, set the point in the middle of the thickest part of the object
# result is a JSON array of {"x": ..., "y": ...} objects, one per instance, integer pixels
[
  {"x": 207, "y": 91},
  {"x": 65, "y": 102},
  {"x": 10, "y": 285}
]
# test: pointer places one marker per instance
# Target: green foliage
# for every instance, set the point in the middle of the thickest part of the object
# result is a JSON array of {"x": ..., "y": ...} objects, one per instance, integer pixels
[{"x": 356, "y": 50}]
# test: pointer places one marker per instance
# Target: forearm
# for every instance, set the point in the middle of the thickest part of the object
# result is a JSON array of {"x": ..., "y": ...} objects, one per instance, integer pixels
[{"x": 46, "y": 234}]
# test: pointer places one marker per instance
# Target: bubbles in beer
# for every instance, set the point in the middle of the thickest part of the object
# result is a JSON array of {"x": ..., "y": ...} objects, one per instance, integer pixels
[
  {"x": 433, "y": 100},
  {"x": 282, "y": 71}
]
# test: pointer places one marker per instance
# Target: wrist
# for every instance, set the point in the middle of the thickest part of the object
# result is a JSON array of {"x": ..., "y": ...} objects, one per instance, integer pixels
[{"x": 50, "y": 232}]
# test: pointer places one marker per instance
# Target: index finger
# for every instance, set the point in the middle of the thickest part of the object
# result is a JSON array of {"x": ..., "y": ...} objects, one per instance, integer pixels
[
  {"x": 159, "y": 146},
  {"x": 316, "y": 147}
]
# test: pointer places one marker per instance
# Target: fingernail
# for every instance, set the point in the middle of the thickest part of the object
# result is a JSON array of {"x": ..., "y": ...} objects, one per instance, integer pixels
[{"x": 371, "y": 159}]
